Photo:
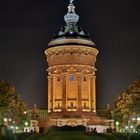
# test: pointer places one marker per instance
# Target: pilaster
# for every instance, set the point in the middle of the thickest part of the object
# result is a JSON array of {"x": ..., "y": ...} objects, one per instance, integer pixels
[
  {"x": 79, "y": 93},
  {"x": 63, "y": 92}
]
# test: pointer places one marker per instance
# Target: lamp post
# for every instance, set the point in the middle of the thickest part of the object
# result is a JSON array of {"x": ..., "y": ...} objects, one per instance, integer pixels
[
  {"x": 131, "y": 128},
  {"x": 26, "y": 129},
  {"x": 25, "y": 112},
  {"x": 133, "y": 119},
  {"x": 5, "y": 121},
  {"x": 138, "y": 119},
  {"x": 14, "y": 130},
  {"x": 126, "y": 128},
  {"x": 17, "y": 129},
  {"x": 138, "y": 123},
  {"x": 9, "y": 119},
  {"x": 117, "y": 126},
  {"x": 26, "y": 123}
]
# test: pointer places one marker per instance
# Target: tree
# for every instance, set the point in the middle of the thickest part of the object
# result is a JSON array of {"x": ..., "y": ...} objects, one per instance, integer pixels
[
  {"x": 134, "y": 90},
  {"x": 10, "y": 103},
  {"x": 128, "y": 103}
]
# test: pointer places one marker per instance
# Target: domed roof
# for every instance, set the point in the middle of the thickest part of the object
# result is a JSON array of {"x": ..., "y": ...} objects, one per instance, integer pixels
[
  {"x": 71, "y": 29},
  {"x": 74, "y": 32}
]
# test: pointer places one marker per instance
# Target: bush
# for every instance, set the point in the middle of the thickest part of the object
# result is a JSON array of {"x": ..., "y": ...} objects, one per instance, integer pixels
[
  {"x": 53, "y": 129},
  {"x": 66, "y": 128},
  {"x": 3, "y": 130},
  {"x": 75, "y": 128},
  {"x": 135, "y": 137}
]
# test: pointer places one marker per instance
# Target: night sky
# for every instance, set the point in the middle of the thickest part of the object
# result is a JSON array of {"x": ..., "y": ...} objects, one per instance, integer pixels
[{"x": 27, "y": 26}]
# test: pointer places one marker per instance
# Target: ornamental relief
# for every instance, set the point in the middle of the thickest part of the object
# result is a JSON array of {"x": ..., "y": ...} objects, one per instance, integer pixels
[
  {"x": 67, "y": 69},
  {"x": 71, "y": 51},
  {"x": 61, "y": 60}
]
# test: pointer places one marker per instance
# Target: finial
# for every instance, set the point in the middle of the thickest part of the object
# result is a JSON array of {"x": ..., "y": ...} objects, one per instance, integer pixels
[
  {"x": 71, "y": 1},
  {"x": 71, "y": 16}
]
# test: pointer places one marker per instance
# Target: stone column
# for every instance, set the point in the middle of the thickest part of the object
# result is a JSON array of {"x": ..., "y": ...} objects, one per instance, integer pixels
[
  {"x": 94, "y": 81},
  {"x": 54, "y": 90},
  {"x": 93, "y": 94},
  {"x": 63, "y": 92},
  {"x": 51, "y": 87},
  {"x": 79, "y": 93},
  {"x": 49, "y": 93}
]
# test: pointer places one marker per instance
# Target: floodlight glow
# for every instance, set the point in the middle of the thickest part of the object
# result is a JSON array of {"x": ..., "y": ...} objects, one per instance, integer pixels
[
  {"x": 9, "y": 119},
  {"x": 126, "y": 127},
  {"x": 16, "y": 127},
  {"x": 117, "y": 123},
  {"x": 133, "y": 119},
  {"x": 5, "y": 119},
  {"x": 26, "y": 124},
  {"x": 131, "y": 126},
  {"x": 138, "y": 119}
]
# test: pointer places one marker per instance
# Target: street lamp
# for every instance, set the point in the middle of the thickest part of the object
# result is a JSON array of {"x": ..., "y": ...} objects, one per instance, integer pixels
[
  {"x": 5, "y": 121},
  {"x": 9, "y": 119},
  {"x": 131, "y": 126},
  {"x": 117, "y": 126},
  {"x": 17, "y": 129},
  {"x": 14, "y": 130},
  {"x": 26, "y": 123},
  {"x": 133, "y": 119},
  {"x": 24, "y": 112},
  {"x": 26, "y": 129},
  {"x": 126, "y": 128},
  {"x": 138, "y": 119}
]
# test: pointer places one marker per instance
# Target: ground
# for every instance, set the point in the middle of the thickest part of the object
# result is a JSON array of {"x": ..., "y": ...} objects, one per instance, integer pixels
[{"x": 73, "y": 136}]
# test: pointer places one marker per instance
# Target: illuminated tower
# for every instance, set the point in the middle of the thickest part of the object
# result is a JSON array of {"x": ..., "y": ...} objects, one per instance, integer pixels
[{"x": 71, "y": 58}]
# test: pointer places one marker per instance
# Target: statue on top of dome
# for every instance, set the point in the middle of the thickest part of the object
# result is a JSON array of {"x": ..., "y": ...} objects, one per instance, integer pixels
[{"x": 71, "y": 1}]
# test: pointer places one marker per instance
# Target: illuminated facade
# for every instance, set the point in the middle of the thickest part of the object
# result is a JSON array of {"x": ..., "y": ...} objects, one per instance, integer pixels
[{"x": 71, "y": 58}]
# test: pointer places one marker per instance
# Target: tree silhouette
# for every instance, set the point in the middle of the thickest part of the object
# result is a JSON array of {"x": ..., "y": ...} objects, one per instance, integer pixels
[
  {"x": 10, "y": 103},
  {"x": 128, "y": 103}
]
